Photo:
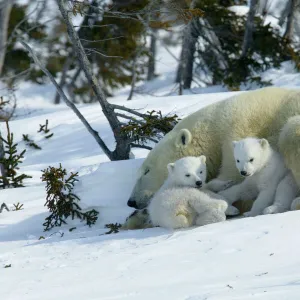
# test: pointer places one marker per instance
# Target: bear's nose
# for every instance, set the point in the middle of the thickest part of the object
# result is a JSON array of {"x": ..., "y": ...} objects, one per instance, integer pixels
[
  {"x": 131, "y": 203},
  {"x": 198, "y": 183},
  {"x": 243, "y": 173}
]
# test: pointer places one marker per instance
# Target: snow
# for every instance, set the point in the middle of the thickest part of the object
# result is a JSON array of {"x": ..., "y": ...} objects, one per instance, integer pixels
[
  {"x": 237, "y": 259},
  {"x": 246, "y": 258}
]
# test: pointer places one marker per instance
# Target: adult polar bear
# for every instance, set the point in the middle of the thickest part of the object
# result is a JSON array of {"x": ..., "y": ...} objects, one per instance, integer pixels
[{"x": 211, "y": 130}]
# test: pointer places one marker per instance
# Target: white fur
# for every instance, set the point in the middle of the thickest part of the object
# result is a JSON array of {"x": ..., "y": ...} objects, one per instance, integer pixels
[
  {"x": 286, "y": 192},
  {"x": 180, "y": 204},
  {"x": 263, "y": 169}
]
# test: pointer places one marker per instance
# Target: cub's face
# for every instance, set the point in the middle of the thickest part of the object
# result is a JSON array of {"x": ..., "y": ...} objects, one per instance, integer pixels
[
  {"x": 249, "y": 155},
  {"x": 188, "y": 171}
]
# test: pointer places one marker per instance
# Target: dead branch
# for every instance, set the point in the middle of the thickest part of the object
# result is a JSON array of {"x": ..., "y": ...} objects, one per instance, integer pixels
[{"x": 68, "y": 102}]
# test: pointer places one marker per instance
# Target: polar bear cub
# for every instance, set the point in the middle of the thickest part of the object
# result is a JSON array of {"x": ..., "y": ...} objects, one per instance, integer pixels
[
  {"x": 180, "y": 203},
  {"x": 263, "y": 169}
]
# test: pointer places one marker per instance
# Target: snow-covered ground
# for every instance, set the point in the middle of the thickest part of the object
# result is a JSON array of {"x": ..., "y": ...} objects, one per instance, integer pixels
[{"x": 253, "y": 258}]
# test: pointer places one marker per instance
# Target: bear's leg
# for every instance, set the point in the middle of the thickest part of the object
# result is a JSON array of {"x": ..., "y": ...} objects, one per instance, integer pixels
[
  {"x": 286, "y": 192},
  {"x": 231, "y": 210},
  {"x": 216, "y": 185},
  {"x": 289, "y": 146},
  {"x": 209, "y": 217},
  {"x": 296, "y": 204},
  {"x": 234, "y": 193},
  {"x": 264, "y": 199},
  {"x": 228, "y": 174}
]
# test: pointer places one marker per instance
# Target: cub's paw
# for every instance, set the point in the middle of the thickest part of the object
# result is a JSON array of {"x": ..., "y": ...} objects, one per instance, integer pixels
[
  {"x": 232, "y": 211},
  {"x": 217, "y": 185},
  {"x": 228, "y": 184},
  {"x": 271, "y": 210},
  {"x": 296, "y": 204},
  {"x": 247, "y": 214},
  {"x": 251, "y": 214}
]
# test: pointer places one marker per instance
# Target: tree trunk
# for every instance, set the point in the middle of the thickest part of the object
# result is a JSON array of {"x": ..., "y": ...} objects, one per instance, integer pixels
[
  {"x": 179, "y": 67},
  {"x": 285, "y": 13},
  {"x": 190, "y": 37},
  {"x": 189, "y": 47},
  {"x": 133, "y": 80},
  {"x": 262, "y": 7},
  {"x": 122, "y": 149},
  {"x": 71, "y": 85},
  {"x": 2, "y": 154},
  {"x": 151, "y": 62},
  {"x": 5, "y": 9},
  {"x": 288, "y": 34},
  {"x": 62, "y": 82},
  {"x": 248, "y": 37}
]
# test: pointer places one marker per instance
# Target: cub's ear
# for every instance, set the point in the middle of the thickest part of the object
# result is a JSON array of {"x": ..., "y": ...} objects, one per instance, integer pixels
[
  {"x": 183, "y": 138},
  {"x": 234, "y": 143},
  {"x": 202, "y": 159},
  {"x": 170, "y": 167},
  {"x": 264, "y": 143}
]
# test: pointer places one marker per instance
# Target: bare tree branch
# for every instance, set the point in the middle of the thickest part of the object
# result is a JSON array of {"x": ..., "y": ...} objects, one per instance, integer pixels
[
  {"x": 140, "y": 146},
  {"x": 2, "y": 207},
  {"x": 93, "y": 50},
  {"x": 122, "y": 149},
  {"x": 68, "y": 102},
  {"x": 129, "y": 118},
  {"x": 132, "y": 111}
]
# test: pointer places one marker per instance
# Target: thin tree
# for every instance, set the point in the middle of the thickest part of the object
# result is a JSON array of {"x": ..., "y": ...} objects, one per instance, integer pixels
[
  {"x": 292, "y": 8},
  {"x": 152, "y": 55},
  {"x": 185, "y": 68},
  {"x": 248, "y": 37},
  {"x": 5, "y": 9}
]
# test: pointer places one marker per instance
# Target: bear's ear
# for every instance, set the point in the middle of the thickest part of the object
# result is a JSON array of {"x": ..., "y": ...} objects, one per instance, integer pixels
[
  {"x": 170, "y": 167},
  {"x": 202, "y": 159},
  {"x": 183, "y": 138},
  {"x": 264, "y": 143},
  {"x": 234, "y": 143}
]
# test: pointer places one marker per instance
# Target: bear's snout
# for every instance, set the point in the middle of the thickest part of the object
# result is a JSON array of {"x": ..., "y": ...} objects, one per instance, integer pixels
[
  {"x": 132, "y": 203},
  {"x": 244, "y": 173},
  {"x": 199, "y": 183}
]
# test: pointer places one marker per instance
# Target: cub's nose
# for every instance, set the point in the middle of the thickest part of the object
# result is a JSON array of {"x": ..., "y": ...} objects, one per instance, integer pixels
[
  {"x": 243, "y": 173},
  {"x": 199, "y": 183},
  {"x": 131, "y": 203}
]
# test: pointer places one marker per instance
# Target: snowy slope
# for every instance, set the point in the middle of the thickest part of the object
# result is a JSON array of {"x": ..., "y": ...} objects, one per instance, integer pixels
[
  {"x": 238, "y": 259},
  {"x": 253, "y": 258}
]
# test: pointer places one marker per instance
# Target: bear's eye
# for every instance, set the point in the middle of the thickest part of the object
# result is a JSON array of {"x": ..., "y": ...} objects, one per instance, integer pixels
[
  {"x": 201, "y": 172},
  {"x": 187, "y": 175},
  {"x": 237, "y": 160},
  {"x": 251, "y": 160},
  {"x": 146, "y": 172}
]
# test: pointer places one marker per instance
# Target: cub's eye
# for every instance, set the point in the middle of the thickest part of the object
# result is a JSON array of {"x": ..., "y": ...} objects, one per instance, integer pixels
[
  {"x": 251, "y": 160},
  {"x": 146, "y": 172},
  {"x": 201, "y": 172},
  {"x": 237, "y": 160},
  {"x": 187, "y": 175}
]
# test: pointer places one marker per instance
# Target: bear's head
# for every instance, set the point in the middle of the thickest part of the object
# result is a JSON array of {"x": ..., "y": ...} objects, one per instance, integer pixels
[
  {"x": 188, "y": 171},
  {"x": 251, "y": 155},
  {"x": 153, "y": 171}
]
